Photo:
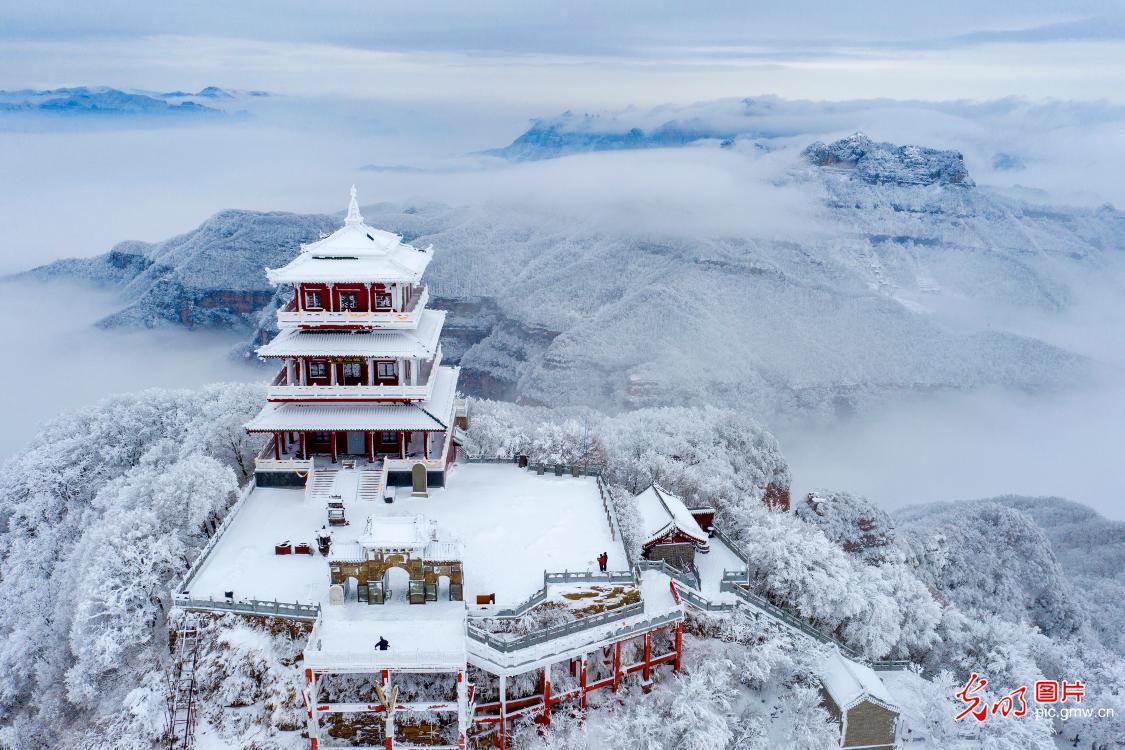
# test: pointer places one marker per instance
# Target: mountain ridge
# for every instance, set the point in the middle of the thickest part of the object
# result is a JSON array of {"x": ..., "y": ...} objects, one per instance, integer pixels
[
  {"x": 109, "y": 102},
  {"x": 543, "y": 309}
]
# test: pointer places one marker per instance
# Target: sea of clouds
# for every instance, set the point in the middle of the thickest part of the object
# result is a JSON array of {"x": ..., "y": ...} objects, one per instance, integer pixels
[{"x": 75, "y": 190}]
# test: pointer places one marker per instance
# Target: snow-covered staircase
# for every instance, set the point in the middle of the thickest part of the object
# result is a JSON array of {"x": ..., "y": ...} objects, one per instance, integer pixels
[
  {"x": 321, "y": 487},
  {"x": 370, "y": 484},
  {"x": 181, "y": 689}
]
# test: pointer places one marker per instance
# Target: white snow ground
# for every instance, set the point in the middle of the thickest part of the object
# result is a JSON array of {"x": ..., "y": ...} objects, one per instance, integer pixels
[
  {"x": 429, "y": 636},
  {"x": 513, "y": 523},
  {"x": 711, "y": 567}
]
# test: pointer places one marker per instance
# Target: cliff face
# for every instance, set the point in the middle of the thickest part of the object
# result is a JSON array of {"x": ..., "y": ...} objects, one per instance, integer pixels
[
  {"x": 548, "y": 309},
  {"x": 211, "y": 277}
]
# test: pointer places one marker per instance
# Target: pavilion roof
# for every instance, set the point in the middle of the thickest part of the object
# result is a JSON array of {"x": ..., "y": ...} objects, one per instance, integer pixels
[
  {"x": 422, "y": 342},
  {"x": 662, "y": 512},
  {"x": 435, "y": 413},
  {"x": 850, "y": 683},
  {"x": 355, "y": 252}
]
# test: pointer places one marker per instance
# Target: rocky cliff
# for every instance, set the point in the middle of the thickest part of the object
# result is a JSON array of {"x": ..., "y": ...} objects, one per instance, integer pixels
[{"x": 886, "y": 163}]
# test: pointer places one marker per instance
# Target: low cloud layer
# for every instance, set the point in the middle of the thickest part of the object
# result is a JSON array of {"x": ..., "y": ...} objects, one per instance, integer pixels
[
  {"x": 58, "y": 361},
  {"x": 967, "y": 446},
  {"x": 74, "y": 192}
]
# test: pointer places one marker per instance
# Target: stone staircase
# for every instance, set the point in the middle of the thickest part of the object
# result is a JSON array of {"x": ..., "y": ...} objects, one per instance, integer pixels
[
  {"x": 370, "y": 484},
  {"x": 321, "y": 486}
]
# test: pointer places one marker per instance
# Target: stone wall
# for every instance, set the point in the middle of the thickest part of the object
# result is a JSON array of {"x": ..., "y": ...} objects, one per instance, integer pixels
[
  {"x": 280, "y": 478},
  {"x": 680, "y": 555},
  {"x": 428, "y": 571},
  {"x": 870, "y": 726}
]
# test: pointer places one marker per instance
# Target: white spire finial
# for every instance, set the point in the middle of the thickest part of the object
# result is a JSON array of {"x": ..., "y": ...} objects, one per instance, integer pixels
[{"x": 354, "y": 216}]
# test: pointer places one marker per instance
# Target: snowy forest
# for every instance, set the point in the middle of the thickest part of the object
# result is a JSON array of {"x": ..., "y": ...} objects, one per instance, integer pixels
[{"x": 109, "y": 505}]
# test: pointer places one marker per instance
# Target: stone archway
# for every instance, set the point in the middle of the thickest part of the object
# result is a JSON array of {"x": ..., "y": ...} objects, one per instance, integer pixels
[
  {"x": 418, "y": 481},
  {"x": 396, "y": 581}
]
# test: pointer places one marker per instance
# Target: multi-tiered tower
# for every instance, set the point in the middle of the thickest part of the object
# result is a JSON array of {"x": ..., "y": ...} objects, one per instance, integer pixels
[{"x": 361, "y": 380}]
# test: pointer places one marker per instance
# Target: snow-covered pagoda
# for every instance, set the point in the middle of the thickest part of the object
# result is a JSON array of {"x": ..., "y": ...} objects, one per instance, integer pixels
[{"x": 361, "y": 379}]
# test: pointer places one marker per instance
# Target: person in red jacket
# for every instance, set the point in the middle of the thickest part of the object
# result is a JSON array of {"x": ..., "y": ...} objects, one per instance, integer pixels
[{"x": 603, "y": 561}]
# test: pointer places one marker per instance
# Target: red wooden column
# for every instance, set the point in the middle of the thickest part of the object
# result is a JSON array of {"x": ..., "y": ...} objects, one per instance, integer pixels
[
  {"x": 369, "y": 442},
  {"x": 502, "y": 734},
  {"x": 426, "y": 444},
  {"x": 402, "y": 444},
  {"x": 277, "y": 446},
  {"x": 310, "y": 700},
  {"x": 582, "y": 682},
  {"x": 616, "y": 665},
  {"x": 646, "y": 669},
  {"x": 545, "y": 681},
  {"x": 389, "y": 740},
  {"x": 332, "y": 440},
  {"x": 679, "y": 646},
  {"x": 301, "y": 436}
]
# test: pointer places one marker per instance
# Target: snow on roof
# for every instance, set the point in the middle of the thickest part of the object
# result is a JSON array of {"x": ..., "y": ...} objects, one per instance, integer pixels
[
  {"x": 662, "y": 512},
  {"x": 355, "y": 252},
  {"x": 850, "y": 683},
  {"x": 421, "y": 342},
  {"x": 421, "y": 638},
  {"x": 435, "y": 413},
  {"x": 324, "y": 269},
  {"x": 399, "y": 532}
]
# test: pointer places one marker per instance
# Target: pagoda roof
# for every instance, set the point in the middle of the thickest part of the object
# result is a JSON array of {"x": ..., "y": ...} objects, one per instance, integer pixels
[
  {"x": 422, "y": 342},
  {"x": 435, "y": 413},
  {"x": 355, "y": 252},
  {"x": 662, "y": 512}
]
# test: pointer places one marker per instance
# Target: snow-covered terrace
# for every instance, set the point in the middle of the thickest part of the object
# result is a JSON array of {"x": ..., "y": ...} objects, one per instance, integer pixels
[
  {"x": 430, "y": 637},
  {"x": 514, "y": 524}
]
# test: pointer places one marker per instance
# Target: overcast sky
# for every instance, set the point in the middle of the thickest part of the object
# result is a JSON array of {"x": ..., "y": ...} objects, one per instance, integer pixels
[{"x": 580, "y": 53}]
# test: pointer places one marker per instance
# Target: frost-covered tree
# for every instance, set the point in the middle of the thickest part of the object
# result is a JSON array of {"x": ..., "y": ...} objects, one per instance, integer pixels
[
  {"x": 217, "y": 429},
  {"x": 991, "y": 557},
  {"x": 804, "y": 723},
  {"x": 851, "y": 521},
  {"x": 794, "y": 563},
  {"x": 98, "y": 517},
  {"x": 705, "y": 455},
  {"x": 124, "y": 577},
  {"x": 713, "y": 456},
  {"x": 697, "y": 717},
  {"x": 151, "y": 529}
]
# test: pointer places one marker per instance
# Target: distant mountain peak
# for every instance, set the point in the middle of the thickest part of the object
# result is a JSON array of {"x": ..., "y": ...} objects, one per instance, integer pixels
[
  {"x": 883, "y": 163},
  {"x": 104, "y": 101}
]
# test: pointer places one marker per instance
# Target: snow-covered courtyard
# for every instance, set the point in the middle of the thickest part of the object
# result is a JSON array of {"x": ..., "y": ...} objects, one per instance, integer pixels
[
  {"x": 711, "y": 567},
  {"x": 513, "y": 523}
]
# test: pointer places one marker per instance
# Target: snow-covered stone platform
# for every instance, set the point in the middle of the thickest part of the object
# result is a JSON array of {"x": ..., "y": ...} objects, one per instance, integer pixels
[
  {"x": 513, "y": 524},
  {"x": 420, "y": 638}
]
